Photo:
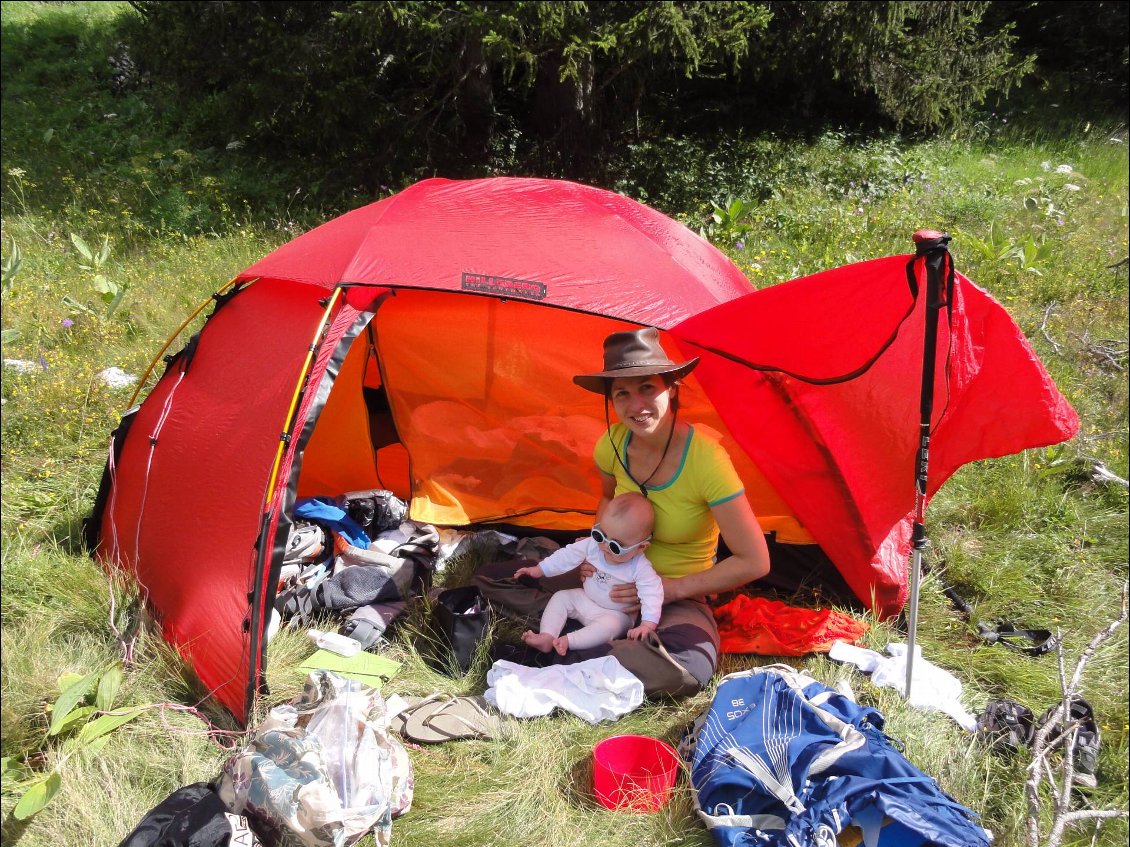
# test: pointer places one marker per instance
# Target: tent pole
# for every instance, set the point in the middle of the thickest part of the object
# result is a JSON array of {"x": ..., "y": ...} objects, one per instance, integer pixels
[{"x": 932, "y": 247}]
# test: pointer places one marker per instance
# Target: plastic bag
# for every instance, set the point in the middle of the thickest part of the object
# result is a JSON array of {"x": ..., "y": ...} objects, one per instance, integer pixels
[{"x": 323, "y": 771}]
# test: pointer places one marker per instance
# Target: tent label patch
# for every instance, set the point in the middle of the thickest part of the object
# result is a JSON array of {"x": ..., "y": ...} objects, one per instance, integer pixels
[{"x": 505, "y": 286}]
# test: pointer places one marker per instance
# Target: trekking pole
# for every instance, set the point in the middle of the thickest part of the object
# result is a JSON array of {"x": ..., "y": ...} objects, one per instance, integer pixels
[{"x": 931, "y": 246}]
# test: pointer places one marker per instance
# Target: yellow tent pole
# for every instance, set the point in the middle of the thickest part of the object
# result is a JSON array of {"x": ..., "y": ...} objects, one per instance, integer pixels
[
  {"x": 169, "y": 343},
  {"x": 298, "y": 393}
]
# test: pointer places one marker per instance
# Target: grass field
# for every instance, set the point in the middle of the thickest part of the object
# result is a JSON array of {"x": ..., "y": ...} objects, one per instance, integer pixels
[{"x": 1038, "y": 219}]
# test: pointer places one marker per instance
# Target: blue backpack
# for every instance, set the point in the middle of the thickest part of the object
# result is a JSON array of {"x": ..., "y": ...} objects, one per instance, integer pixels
[{"x": 780, "y": 759}]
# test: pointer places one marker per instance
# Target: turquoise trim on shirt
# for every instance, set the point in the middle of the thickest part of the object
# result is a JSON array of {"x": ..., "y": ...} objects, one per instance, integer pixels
[{"x": 722, "y": 500}]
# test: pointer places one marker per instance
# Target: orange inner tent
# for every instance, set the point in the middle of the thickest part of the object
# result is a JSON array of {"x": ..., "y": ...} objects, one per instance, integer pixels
[{"x": 466, "y": 405}]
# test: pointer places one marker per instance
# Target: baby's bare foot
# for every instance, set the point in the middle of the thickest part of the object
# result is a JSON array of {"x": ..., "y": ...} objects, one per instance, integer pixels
[
  {"x": 542, "y": 641},
  {"x": 561, "y": 645}
]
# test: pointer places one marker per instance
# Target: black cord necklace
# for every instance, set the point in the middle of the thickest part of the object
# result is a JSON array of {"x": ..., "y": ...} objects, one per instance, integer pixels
[{"x": 670, "y": 435}]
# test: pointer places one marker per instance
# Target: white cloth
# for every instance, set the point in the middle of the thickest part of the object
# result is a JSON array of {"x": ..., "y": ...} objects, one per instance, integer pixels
[
  {"x": 594, "y": 690},
  {"x": 637, "y": 569},
  {"x": 931, "y": 688}
]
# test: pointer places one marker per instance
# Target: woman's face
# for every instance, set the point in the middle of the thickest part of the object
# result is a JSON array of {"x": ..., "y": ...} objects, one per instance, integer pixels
[{"x": 642, "y": 403}]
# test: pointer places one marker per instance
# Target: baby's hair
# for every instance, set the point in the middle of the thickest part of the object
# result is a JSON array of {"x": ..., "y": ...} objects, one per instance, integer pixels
[{"x": 632, "y": 504}]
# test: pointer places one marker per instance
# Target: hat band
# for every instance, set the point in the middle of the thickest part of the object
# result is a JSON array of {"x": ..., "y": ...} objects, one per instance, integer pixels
[{"x": 643, "y": 364}]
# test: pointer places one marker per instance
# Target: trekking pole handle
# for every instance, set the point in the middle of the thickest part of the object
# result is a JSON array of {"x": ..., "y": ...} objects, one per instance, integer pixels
[{"x": 926, "y": 240}]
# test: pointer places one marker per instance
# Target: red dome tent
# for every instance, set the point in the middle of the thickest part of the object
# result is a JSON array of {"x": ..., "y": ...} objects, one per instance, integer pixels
[{"x": 425, "y": 343}]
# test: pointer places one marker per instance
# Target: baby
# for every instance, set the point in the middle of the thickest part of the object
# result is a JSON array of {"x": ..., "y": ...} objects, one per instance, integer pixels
[{"x": 628, "y": 517}]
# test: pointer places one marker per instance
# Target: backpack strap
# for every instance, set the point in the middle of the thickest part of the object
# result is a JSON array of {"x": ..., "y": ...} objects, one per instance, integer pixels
[{"x": 1031, "y": 642}]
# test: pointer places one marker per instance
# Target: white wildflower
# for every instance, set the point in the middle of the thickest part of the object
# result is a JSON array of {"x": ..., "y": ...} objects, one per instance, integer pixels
[
  {"x": 1063, "y": 169},
  {"x": 1025, "y": 181},
  {"x": 1047, "y": 166},
  {"x": 1070, "y": 186}
]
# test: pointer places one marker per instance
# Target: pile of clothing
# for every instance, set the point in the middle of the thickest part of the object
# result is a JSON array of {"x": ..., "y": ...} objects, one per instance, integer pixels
[{"x": 356, "y": 555}]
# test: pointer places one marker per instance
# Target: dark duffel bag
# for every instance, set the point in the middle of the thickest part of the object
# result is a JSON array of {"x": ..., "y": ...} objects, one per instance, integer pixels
[{"x": 459, "y": 622}]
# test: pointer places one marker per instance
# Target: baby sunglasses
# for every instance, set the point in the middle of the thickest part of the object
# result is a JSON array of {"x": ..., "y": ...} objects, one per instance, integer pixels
[{"x": 614, "y": 546}]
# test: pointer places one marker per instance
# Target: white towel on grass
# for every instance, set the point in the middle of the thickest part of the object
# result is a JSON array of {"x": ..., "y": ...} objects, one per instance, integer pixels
[
  {"x": 931, "y": 687},
  {"x": 594, "y": 690}
]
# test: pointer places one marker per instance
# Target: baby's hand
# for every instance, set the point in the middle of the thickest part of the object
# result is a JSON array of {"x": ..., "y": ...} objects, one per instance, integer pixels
[
  {"x": 534, "y": 571},
  {"x": 640, "y": 632}
]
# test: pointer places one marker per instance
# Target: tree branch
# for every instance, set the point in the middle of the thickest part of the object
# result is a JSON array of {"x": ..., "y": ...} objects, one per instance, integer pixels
[{"x": 1040, "y": 767}]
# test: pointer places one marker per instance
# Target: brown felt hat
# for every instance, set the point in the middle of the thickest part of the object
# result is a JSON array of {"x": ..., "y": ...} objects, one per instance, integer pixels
[{"x": 635, "y": 353}]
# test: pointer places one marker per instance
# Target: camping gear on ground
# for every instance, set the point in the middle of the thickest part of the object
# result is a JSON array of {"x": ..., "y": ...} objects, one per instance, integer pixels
[
  {"x": 364, "y": 577},
  {"x": 325, "y": 511},
  {"x": 521, "y": 599},
  {"x": 812, "y": 387},
  {"x": 934, "y": 688},
  {"x": 460, "y": 620},
  {"x": 375, "y": 510},
  {"x": 324, "y": 770},
  {"x": 342, "y": 645},
  {"x": 782, "y": 760},
  {"x": 307, "y": 543},
  {"x": 1033, "y": 642},
  {"x": 368, "y": 668},
  {"x": 192, "y": 816},
  {"x": 634, "y": 773},
  {"x": 1079, "y": 718},
  {"x": 368, "y": 624},
  {"x": 594, "y": 690},
  {"x": 1006, "y": 725},
  {"x": 772, "y": 628}
]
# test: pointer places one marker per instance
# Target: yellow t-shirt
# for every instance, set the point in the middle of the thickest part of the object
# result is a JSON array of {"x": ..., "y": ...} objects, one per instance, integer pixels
[{"x": 686, "y": 535}]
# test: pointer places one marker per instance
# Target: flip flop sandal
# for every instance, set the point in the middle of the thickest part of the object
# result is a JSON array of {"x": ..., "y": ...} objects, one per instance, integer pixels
[
  {"x": 451, "y": 719},
  {"x": 396, "y": 722}
]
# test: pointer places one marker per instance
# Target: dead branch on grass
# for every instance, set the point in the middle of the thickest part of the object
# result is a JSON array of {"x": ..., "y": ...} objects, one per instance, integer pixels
[
  {"x": 1040, "y": 767},
  {"x": 1044, "y": 328}
]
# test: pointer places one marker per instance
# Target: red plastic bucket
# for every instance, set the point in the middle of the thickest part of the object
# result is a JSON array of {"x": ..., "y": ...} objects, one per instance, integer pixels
[{"x": 634, "y": 772}]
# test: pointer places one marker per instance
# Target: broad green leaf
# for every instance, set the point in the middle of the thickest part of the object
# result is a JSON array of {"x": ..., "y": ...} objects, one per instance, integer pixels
[
  {"x": 71, "y": 698},
  {"x": 66, "y": 680},
  {"x": 108, "y": 688},
  {"x": 104, "y": 285},
  {"x": 36, "y": 797},
  {"x": 12, "y": 264},
  {"x": 12, "y": 770},
  {"x": 95, "y": 746},
  {"x": 82, "y": 248},
  {"x": 104, "y": 252},
  {"x": 48, "y": 135},
  {"x": 112, "y": 306},
  {"x": 72, "y": 303},
  {"x": 107, "y": 723},
  {"x": 74, "y": 718},
  {"x": 9, "y": 335}
]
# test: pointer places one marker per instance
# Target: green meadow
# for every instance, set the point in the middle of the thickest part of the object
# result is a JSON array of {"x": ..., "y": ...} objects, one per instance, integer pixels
[{"x": 116, "y": 227}]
